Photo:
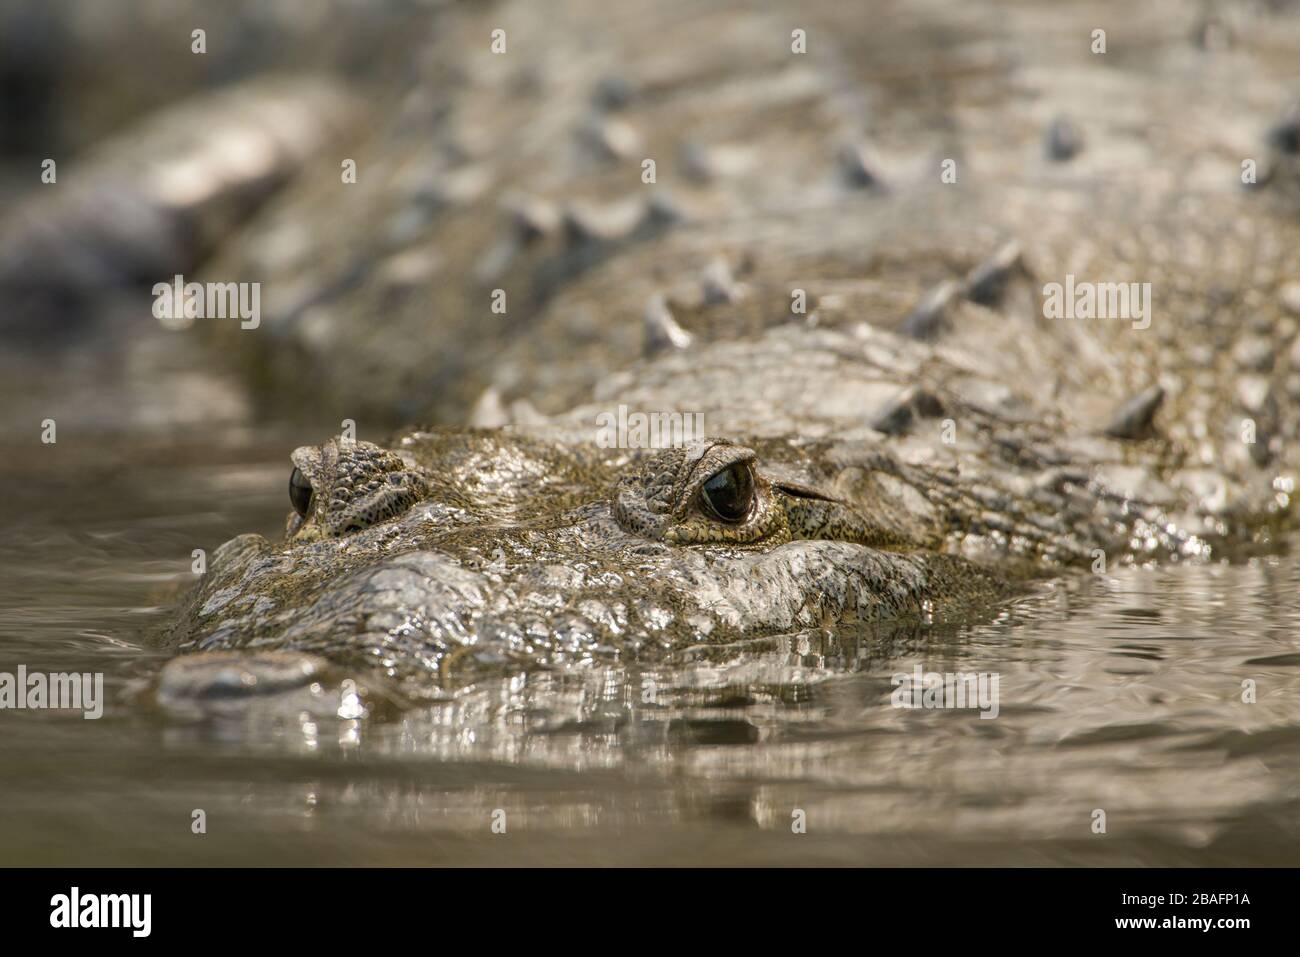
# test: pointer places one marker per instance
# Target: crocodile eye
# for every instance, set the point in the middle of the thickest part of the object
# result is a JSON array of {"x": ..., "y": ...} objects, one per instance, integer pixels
[
  {"x": 730, "y": 494},
  {"x": 299, "y": 492}
]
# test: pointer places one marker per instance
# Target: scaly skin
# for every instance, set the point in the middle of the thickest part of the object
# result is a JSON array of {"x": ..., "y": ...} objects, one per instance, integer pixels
[
  {"x": 537, "y": 548},
  {"x": 923, "y": 435},
  {"x": 534, "y": 552},
  {"x": 817, "y": 171},
  {"x": 355, "y": 485}
]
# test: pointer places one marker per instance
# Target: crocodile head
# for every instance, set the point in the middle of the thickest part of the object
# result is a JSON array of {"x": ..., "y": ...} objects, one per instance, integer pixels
[{"x": 465, "y": 552}]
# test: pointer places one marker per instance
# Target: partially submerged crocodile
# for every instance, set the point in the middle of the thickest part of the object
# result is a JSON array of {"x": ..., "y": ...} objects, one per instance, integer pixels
[
  {"x": 926, "y": 435},
  {"x": 455, "y": 554}
]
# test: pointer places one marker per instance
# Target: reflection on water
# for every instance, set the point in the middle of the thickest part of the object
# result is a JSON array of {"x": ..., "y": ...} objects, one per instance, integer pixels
[{"x": 1121, "y": 693}]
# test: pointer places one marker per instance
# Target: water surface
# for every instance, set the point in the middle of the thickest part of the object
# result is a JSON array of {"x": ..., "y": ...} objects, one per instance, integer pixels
[{"x": 1120, "y": 692}]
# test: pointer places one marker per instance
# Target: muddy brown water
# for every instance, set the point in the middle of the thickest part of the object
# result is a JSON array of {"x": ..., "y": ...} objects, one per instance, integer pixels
[{"x": 1120, "y": 692}]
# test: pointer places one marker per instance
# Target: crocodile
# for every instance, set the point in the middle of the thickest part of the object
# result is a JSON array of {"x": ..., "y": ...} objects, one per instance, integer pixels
[
  {"x": 450, "y": 555},
  {"x": 908, "y": 422}
]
